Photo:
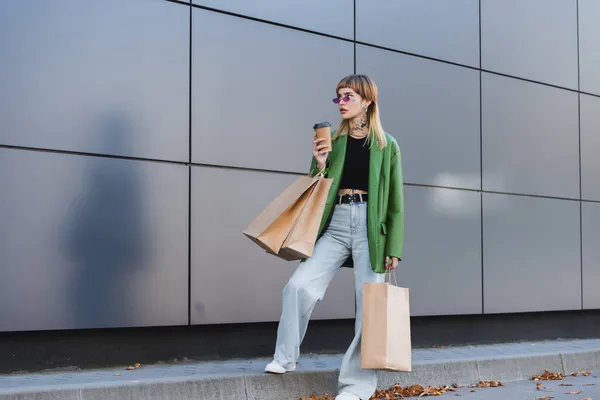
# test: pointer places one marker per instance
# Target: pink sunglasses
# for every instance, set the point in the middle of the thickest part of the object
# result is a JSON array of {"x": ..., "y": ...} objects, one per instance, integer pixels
[{"x": 337, "y": 99}]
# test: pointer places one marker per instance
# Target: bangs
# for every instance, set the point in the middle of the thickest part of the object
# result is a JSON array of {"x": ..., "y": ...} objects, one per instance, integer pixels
[{"x": 352, "y": 82}]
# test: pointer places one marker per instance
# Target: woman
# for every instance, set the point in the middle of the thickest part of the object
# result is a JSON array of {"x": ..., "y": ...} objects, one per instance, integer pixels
[{"x": 362, "y": 227}]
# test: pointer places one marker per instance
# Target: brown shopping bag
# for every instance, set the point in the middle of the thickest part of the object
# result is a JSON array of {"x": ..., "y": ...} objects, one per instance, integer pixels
[
  {"x": 301, "y": 240},
  {"x": 386, "y": 341},
  {"x": 273, "y": 225}
]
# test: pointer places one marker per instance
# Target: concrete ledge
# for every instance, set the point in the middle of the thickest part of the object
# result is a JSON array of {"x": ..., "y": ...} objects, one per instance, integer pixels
[
  {"x": 244, "y": 379},
  {"x": 577, "y": 361},
  {"x": 433, "y": 373}
]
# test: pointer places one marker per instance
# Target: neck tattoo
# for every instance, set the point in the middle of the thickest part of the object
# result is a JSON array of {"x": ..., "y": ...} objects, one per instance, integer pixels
[{"x": 360, "y": 127}]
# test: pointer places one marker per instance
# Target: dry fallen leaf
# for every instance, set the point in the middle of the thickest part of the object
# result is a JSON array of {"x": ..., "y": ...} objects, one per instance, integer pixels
[
  {"x": 135, "y": 366},
  {"x": 584, "y": 373},
  {"x": 398, "y": 392},
  {"x": 487, "y": 384},
  {"x": 314, "y": 397},
  {"x": 549, "y": 376},
  {"x": 538, "y": 386}
]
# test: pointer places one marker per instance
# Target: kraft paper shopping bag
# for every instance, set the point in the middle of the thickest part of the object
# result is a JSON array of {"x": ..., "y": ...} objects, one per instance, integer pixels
[
  {"x": 386, "y": 340},
  {"x": 302, "y": 238},
  {"x": 273, "y": 225}
]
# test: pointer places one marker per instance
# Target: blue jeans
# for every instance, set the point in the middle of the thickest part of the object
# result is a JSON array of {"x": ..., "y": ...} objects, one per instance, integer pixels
[{"x": 345, "y": 236}]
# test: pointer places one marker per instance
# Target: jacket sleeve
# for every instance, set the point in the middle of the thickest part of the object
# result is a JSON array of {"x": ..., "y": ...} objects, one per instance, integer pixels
[
  {"x": 395, "y": 212},
  {"x": 314, "y": 170}
]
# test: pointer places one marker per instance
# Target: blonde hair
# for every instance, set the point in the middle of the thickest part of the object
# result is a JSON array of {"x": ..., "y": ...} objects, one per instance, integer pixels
[{"x": 365, "y": 87}]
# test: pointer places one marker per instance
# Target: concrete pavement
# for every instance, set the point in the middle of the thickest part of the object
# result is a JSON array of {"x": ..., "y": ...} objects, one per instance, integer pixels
[
  {"x": 570, "y": 388},
  {"x": 245, "y": 380}
]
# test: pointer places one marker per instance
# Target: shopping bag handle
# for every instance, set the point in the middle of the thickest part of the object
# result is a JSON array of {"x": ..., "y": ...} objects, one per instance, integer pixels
[{"x": 391, "y": 273}]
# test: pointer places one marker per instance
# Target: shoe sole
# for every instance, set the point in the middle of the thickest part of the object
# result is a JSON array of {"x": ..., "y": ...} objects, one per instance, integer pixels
[{"x": 270, "y": 371}]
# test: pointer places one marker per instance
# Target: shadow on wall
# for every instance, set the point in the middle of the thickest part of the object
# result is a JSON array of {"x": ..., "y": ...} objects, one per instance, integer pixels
[{"x": 107, "y": 242}]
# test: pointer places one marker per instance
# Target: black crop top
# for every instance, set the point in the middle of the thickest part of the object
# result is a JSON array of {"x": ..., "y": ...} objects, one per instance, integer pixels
[{"x": 356, "y": 165}]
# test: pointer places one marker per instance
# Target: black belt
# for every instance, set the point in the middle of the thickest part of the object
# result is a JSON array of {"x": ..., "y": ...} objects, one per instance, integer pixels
[{"x": 352, "y": 198}]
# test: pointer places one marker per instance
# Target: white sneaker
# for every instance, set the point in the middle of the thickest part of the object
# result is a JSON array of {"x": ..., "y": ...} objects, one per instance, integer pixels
[
  {"x": 275, "y": 368},
  {"x": 346, "y": 396}
]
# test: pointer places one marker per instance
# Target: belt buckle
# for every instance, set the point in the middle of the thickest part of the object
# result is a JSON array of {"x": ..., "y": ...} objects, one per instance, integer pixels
[
  {"x": 356, "y": 198},
  {"x": 351, "y": 198}
]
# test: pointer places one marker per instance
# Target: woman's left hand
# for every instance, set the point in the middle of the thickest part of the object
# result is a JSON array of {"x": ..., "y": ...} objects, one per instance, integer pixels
[{"x": 391, "y": 263}]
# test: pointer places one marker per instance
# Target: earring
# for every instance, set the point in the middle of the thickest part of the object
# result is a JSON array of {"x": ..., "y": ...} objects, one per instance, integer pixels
[{"x": 364, "y": 106}]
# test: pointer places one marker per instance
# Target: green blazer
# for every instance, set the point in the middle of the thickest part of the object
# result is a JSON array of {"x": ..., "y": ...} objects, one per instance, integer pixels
[{"x": 385, "y": 215}]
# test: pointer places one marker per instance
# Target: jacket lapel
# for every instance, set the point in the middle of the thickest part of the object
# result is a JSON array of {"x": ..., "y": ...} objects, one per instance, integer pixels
[
  {"x": 375, "y": 161},
  {"x": 339, "y": 156}
]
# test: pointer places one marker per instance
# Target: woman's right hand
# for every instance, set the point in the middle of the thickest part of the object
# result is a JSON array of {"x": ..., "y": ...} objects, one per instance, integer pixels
[{"x": 319, "y": 153}]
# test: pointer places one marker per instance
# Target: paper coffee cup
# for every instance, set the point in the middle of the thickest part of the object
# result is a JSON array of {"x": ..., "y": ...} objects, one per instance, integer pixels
[{"x": 323, "y": 131}]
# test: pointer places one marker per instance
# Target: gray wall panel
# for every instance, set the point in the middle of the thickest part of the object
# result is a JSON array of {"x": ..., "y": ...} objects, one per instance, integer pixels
[
  {"x": 590, "y": 229},
  {"x": 433, "y": 110},
  {"x": 333, "y": 17},
  {"x": 531, "y": 254},
  {"x": 72, "y": 65},
  {"x": 233, "y": 279},
  {"x": 530, "y": 138},
  {"x": 442, "y": 257},
  {"x": 448, "y": 30},
  {"x": 590, "y": 147},
  {"x": 535, "y": 39},
  {"x": 91, "y": 242},
  {"x": 589, "y": 56},
  {"x": 258, "y": 92}
]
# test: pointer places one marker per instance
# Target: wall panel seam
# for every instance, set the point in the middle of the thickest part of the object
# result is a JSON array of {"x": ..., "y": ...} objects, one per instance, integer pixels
[
  {"x": 356, "y": 42},
  {"x": 423, "y": 57},
  {"x": 272, "y": 23},
  {"x": 183, "y": 3},
  {"x": 293, "y": 173},
  {"x": 481, "y": 165},
  {"x": 191, "y": 31},
  {"x": 580, "y": 166}
]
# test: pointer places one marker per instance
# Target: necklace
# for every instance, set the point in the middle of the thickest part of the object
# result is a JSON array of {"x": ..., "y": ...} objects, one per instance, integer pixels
[{"x": 354, "y": 136}]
